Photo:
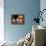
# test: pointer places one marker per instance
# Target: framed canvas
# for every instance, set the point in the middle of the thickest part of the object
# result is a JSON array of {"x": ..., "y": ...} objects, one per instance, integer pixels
[{"x": 17, "y": 19}]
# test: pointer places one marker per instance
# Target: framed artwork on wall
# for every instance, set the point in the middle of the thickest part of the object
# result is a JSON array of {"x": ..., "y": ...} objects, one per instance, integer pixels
[{"x": 17, "y": 19}]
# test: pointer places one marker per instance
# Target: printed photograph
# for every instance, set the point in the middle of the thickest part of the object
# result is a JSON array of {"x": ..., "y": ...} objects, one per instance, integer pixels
[{"x": 17, "y": 19}]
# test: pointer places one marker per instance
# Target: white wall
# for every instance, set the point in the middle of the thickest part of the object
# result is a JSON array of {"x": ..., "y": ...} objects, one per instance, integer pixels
[
  {"x": 43, "y": 6},
  {"x": 1, "y": 20}
]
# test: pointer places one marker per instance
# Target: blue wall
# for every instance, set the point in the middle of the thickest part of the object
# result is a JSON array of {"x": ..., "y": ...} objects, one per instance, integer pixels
[{"x": 26, "y": 7}]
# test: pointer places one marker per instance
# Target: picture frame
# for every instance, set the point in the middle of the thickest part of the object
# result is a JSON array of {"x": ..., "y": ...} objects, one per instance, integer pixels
[{"x": 17, "y": 19}]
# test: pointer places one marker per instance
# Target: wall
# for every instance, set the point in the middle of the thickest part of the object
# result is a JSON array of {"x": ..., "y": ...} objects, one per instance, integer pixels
[
  {"x": 26, "y": 7},
  {"x": 43, "y": 6},
  {"x": 1, "y": 21}
]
